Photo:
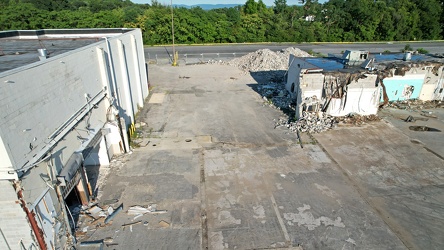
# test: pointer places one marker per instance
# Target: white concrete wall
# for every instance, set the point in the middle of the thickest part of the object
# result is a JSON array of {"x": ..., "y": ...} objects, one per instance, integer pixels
[
  {"x": 42, "y": 97},
  {"x": 6, "y": 169},
  {"x": 296, "y": 65},
  {"x": 36, "y": 99},
  {"x": 113, "y": 139},
  {"x": 362, "y": 98},
  {"x": 432, "y": 85},
  {"x": 13, "y": 221},
  {"x": 128, "y": 61},
  {"x": 99, "y": 155}
]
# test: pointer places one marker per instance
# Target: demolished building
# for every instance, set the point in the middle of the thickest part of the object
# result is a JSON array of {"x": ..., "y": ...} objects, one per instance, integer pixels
[
  {"x": 358, "y": 82},
  {"x": 67, "y": 99}
]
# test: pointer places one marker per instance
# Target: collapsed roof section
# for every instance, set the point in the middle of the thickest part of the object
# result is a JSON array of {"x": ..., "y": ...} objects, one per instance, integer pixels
[{"x": 359, "y": 82}]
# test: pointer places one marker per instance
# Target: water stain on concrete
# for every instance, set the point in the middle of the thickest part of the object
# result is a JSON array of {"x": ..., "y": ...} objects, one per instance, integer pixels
[
  {"x": 307, "y": 219},
  {"x": 326, "y": 191},
  {"x": 226, "y": 219}
]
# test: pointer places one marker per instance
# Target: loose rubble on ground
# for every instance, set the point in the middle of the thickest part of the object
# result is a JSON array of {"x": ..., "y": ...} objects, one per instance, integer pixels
[
  {"x": 310, "y": 122},
  {"x": 416, "y": 104},
  {"x": 101, "y": 214}
]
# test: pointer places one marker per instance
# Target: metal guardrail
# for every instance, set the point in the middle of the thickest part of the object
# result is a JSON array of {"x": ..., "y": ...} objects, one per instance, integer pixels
[{"x": 192, "y": 58}]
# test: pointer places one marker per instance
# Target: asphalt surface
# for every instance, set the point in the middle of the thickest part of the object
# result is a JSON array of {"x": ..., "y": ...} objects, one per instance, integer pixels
[
  {"x": 223, "y": 52},
  {"x": 210, "y": 156}
]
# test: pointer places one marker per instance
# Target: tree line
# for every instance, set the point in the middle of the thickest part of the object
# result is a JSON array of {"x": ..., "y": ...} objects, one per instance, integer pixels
[{"x": 333, "y": 21}]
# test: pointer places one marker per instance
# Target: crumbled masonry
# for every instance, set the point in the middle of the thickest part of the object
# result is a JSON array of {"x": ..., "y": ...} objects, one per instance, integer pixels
[{"x": 310, "y": 122}]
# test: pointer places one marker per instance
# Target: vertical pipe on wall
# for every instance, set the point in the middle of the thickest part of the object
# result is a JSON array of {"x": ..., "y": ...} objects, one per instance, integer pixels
[
  {"x": 113, "y": 74},
  {"x": 104, "y": 72},
  {"x": 137, "y": 71},
  {"x": 125, "y": 81}
]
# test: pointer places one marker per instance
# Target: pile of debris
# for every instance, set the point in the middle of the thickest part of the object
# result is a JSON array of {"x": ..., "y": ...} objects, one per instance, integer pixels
[
  {"x": 266, "y": 60},
  {"x": 275, "y": 95},
  {"x": 310, "y": 122},
  {"x": 94, "y": 216},
  {"x": 356, "y": 120},
  {"x": 415, "y": 104}
]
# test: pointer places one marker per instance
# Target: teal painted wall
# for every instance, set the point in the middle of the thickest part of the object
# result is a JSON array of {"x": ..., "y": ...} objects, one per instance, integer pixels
[{"x": 395, "y": 87}]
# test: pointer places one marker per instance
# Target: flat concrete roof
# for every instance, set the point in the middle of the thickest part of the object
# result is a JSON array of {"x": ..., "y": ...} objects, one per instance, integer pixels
[{"x": 19, "y": 47}]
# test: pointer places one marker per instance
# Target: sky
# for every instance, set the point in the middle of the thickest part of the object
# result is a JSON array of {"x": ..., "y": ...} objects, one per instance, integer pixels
[{"x": 193, "y": 2}]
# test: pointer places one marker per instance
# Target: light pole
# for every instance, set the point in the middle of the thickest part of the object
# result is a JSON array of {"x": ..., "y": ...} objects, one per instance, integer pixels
[{"x": 172, "y": 31}]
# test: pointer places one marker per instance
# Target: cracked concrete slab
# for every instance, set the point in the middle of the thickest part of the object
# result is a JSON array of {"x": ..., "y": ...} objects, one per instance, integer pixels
[{"x": 401, "y": 180}]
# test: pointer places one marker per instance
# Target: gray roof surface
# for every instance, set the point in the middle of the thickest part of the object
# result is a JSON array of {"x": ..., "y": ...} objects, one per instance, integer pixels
[
  {"x": 19, "y": 47},
  {"x": 17, "y": 52}
]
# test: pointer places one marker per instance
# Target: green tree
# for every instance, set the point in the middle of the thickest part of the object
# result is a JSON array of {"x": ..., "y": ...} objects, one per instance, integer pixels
[
  {"x": 280, "y": 6},
  {"x": 251, "y": 7},
  {"x": 430, "y": 14},
  {"x": 21, "y": 16}
]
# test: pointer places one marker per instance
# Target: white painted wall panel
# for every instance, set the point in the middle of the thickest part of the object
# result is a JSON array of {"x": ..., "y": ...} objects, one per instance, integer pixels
[{"x": 5, "y": 164}]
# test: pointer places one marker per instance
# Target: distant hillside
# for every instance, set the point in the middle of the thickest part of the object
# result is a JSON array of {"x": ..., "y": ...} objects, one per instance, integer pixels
[{"x": 208, "y": 6}]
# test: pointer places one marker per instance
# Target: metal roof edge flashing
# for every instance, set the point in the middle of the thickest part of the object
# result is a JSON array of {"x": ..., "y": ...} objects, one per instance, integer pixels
[{"x": 36, "y": 34}]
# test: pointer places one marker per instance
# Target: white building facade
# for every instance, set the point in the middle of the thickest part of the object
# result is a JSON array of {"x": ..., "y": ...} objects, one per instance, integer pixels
[{"x": 59, "y": 116}]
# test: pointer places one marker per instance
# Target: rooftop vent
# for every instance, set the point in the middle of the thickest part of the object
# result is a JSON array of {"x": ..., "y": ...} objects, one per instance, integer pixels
[
  {"x": 43, "y": 54},
  {"x": 407, "y": 56}
]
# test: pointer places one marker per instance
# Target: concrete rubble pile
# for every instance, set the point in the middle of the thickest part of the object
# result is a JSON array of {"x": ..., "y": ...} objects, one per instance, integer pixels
[
  {"x": 311, "y": 122},
  {"x": 94, "y": 216},
  {"x": 416, "y": 104},
  {"x": 275, "y": 95},
  {"x": 356, "y": 120},
  {"x": 266, "y": 60},
  {"x": 318, "y": 122}
]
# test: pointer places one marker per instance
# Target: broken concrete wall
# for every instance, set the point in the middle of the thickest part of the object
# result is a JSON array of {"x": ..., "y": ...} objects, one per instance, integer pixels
[
  {"x": 418, "y": 80},
  {"x": 309, "y": 92},
  {"x": 336, "y": 93},
  {"x": 295, "y": 68},
  {"x": 399, "y": 88},
  {"x": 360, "y": 96},
  {"x": 438, "y": 94},
  {"x": 432, "y": 88},
  {"x": 305, "y": 84}
]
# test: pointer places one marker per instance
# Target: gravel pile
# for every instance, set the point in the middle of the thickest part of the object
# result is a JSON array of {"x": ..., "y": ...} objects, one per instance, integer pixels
[
  {"x": 310, "y": 122},
  {"x": 265, "y": 60}
]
